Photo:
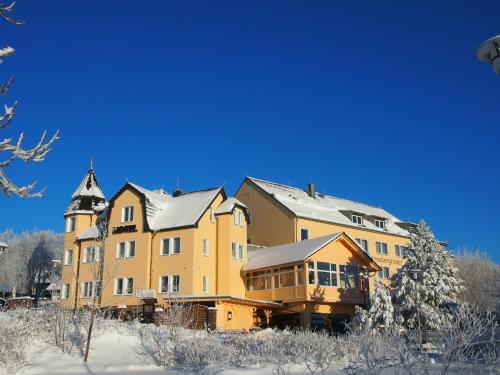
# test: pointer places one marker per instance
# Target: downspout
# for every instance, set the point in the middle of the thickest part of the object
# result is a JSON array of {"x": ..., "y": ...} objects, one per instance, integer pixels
[
  {"x": 151, "y": 260},
  {"x": 77, "y": 283},
  {"x": 216, "y": 255}
]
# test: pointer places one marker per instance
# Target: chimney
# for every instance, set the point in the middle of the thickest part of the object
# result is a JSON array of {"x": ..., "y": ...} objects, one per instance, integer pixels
[
  {"x": 177, "y": 192},
  {"x": 311, "y": 190}
]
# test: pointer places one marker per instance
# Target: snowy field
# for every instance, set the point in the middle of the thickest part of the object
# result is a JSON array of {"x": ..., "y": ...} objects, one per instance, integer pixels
[
  {"x": 112, "y": 353},
  {"x": 52, "y": 341}
]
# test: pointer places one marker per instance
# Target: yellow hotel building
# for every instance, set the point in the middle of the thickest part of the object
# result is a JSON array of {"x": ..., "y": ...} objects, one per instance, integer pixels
[{"x": 271, "y": 255}]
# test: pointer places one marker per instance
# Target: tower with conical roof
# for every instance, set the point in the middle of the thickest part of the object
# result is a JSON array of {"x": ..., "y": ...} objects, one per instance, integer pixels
[{"x": 87, "y": 202}]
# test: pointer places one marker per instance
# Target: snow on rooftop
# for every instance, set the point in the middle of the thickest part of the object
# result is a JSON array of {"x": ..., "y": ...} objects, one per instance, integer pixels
[
  {"x": 285, "y": 254},
  {"x": 228, "y": 205},
  {"x": 90, "y": 234},
  {"x": 89, "y": 187},
  {"x": 328, "y": 208},
  {"x": 164, "y": 211}
]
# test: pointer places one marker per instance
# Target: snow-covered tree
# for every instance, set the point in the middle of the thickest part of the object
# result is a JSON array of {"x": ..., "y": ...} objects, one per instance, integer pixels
[
  {"x": 436, "y": 287},
  {"x": 380, "y": 315},
  {"x": 27, "y": 260},
  {"x": 14, "y": 150}
]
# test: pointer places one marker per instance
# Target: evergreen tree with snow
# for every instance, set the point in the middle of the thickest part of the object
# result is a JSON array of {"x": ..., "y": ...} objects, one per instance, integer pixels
[
  {"x": 437, "y": 284},
  {"x": 381, "y": 312}
]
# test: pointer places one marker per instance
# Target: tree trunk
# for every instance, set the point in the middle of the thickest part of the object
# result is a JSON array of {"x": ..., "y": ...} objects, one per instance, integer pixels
[{"x": 89, "y": 334}]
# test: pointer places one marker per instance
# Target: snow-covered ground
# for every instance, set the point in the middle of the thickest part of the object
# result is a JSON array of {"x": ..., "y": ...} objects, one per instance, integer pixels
[{"x": 114, "y": 350}]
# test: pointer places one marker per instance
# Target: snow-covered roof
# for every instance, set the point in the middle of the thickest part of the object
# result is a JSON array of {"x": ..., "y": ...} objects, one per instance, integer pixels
[
  {"x": 89, "y": 234},
  {"x": 228, "y": 205},
  {"x": 89, "y": 187},
  {"x": 328, "y": 208},
  {"x": 3, "y": 244},
  {"x": 164, "y": 211},
  {"x": 285, "y": 254}
]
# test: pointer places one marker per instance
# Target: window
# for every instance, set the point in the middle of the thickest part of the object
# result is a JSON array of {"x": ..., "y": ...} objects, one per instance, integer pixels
[
  {"x": 356, "y": 219},
  {"x": 124, "y": 286},
  {"x": 125, "y": 249},
  {"x": 68, "y": 257},
  {"x": 349, "y": 276},
  {"x": 300, "y": 275},
  {"x": 327, "y": 274},
  {"x": 380, "y": 223},
  {"x": 127, "y": 214},
  {"x": 91, "y": 254},
  {"x": 381, "y": 248},
  {"x": 205, "y": 247},
  {"x": 363, "y": 244},
  {"x": 70, "y": 224},
  {"x": 171, "y": 246},
  {"x": 65, "y": 291},
  {"x": 87, "y": 289},
  {"x": 205, "y": 284},
  {"x": 304, "y": 234},
  {"x": 237, "y": 251},
  {"x": 400, "y": 251},
  {"x": 212, "y": 215},
  {"x": 259, "y": 280},
  {"x": 384, "y": 273},
  {"x": 169, "y": 284},
  {"x": 312, "y": 278},
  {"x": 284, "y": 277},
  {"x": 238, "y": 218}
]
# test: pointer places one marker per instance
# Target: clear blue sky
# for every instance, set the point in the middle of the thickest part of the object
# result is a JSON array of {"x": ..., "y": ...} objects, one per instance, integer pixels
[{"x": 380, "y": 102}]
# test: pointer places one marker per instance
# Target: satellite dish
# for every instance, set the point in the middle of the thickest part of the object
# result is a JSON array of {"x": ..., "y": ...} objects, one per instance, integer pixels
[{"x": 489, "y": 51}]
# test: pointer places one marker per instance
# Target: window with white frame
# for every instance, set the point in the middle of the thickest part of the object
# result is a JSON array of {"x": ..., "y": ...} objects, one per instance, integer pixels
[
  {"x": 311, "y": 273},
  {"x": 124, "y": 286},
  {"x": 327, "y": 273},
  {"x": 381, "y": 248},
  {"x": 362, "y": 243},
  {"x": 68, "y": 257},
  {"x": 169, "y": 284},
  {"x": 65, "y": 291},
  {"x": 400, "y": 250},
  {"x": 356, "y": 219},
  {"x": 91, "y": 254},
  {"x": 304, "y": 234},
  {"x": 125, "y": 249},
  {"x": 127, "y": 214},
  {"x": 170, "y": 246},
  {"x": 384, "y": 273},
  {"x": 380, "y": 223},
  {"x": 87, "y": 289},
  {"x": 237, "y": 251},
  {"x": 205, "y": 249},
  {"x": 238, "y": 218},
  {"x": 212, "y": 215},
  {"x": 205, "y": 284},
  {"x": 70, "y": 224}
]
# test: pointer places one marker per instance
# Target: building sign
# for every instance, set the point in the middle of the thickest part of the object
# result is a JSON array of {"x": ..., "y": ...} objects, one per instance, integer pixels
[
  {"x": 388, "y": 261},
  {"x": 124, "y": 229}
]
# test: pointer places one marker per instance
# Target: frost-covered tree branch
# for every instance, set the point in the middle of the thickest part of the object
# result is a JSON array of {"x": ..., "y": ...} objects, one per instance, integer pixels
[{"x": 15, "y": 150}]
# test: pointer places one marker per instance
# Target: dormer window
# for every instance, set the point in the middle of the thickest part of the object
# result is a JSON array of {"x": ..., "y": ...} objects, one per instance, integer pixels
[
  {"x": 127, "y": 214},
  {"x": 356, "y": 219},
  {"x": 380, "y": 223}
]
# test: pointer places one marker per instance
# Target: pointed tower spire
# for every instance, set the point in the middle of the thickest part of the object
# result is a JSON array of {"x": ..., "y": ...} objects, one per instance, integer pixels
[{"x": 88, "y": 197}]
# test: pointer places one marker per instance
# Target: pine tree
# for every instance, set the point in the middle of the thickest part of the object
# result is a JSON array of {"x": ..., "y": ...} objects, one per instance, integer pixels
[
  {"x": 381, "y": 312},
  {"x": 437, "y": 284}
]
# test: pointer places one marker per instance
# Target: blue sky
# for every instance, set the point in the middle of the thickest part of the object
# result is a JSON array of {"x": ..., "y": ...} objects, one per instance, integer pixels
[{"x": 378, "y": 102}]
